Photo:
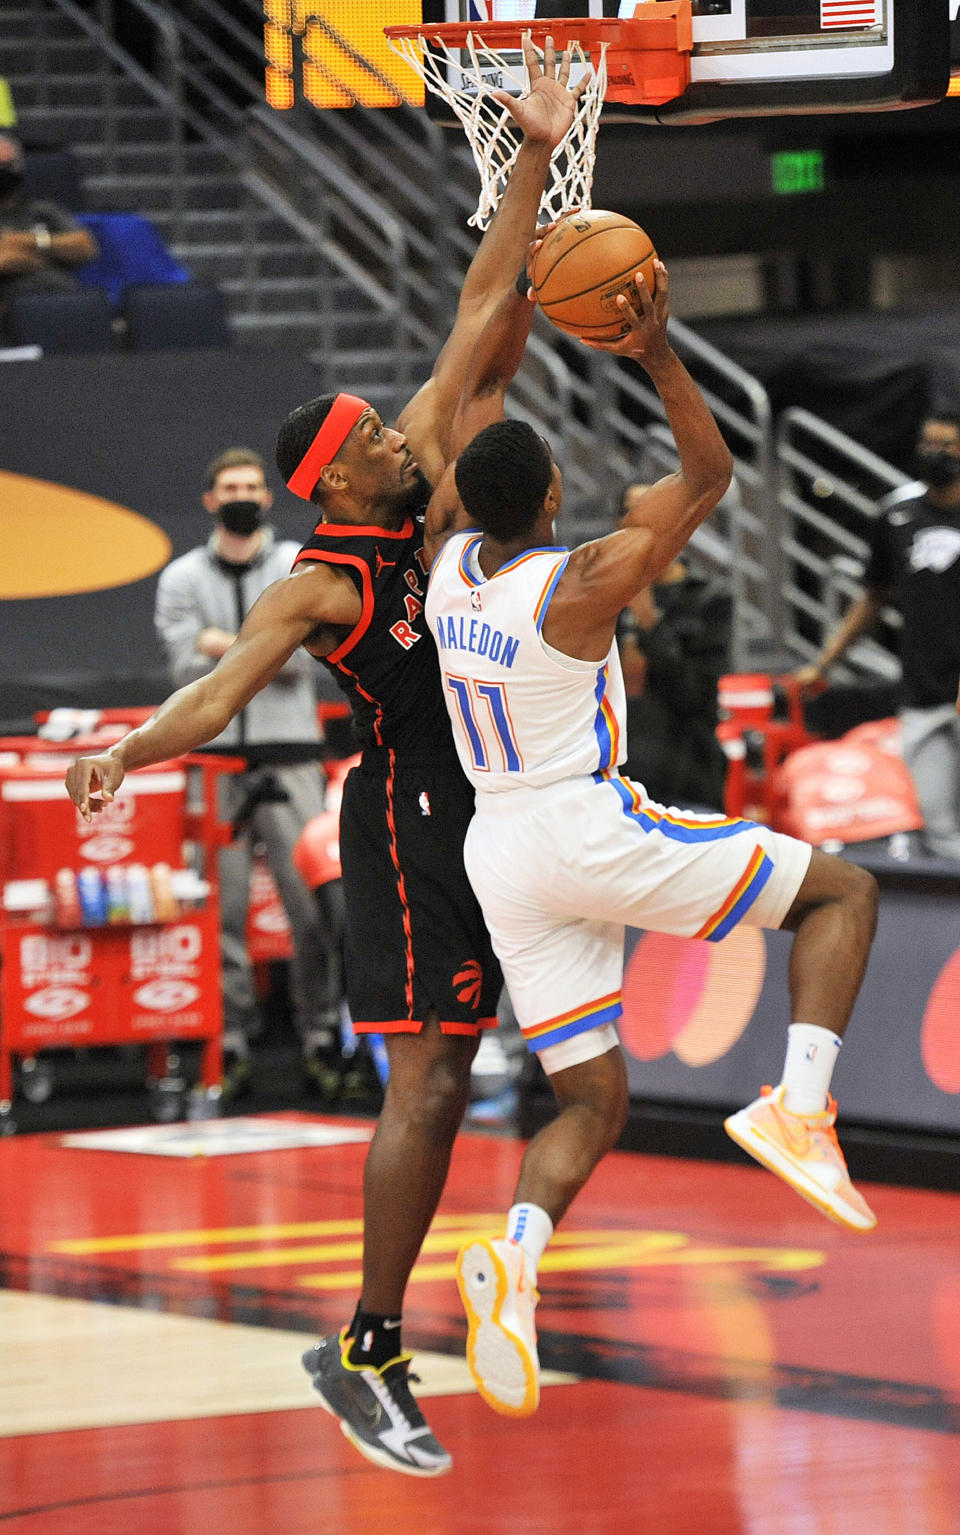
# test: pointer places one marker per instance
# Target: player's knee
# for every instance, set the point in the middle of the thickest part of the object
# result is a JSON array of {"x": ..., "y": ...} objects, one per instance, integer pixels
[
  {"x": 863, "y": 896},
  {"x": 831, "y": 880},
  {"x": 433, "y": 1087},
  {"x": 856, "y": 891}
]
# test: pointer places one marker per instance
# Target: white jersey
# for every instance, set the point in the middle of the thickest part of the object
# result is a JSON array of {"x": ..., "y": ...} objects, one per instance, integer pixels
[{"x": 523, "y": 714}]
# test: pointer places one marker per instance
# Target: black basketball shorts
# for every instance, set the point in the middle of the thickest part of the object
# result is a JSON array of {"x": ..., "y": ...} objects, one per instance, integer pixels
[{"x": 415, "y": 941}]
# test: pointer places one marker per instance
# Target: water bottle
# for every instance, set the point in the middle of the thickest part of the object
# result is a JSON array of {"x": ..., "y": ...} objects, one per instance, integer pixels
[
  {"x": 165, "y": 907},
  {"x": 93, "y": 897},
  {"x": 139, "y": 893},
  {"x": 118, "y": 902}
]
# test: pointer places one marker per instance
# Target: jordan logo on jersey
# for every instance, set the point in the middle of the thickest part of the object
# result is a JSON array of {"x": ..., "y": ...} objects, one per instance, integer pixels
[
  {"x": 381, "y": 563},
  {"x": 468, "y": 983}
]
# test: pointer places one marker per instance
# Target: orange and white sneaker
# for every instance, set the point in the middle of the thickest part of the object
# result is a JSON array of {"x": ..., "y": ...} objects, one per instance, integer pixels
[
  {"x": 804, "y": 1151},
  {"x": 502, "y": 1341}
]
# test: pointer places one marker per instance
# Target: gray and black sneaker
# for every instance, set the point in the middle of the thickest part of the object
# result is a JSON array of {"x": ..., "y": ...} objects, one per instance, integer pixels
[{"x": 376, "y": 1409}]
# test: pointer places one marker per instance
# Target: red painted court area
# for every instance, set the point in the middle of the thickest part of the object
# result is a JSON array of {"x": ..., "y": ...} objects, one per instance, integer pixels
[{"x": 743, "y": 1367}]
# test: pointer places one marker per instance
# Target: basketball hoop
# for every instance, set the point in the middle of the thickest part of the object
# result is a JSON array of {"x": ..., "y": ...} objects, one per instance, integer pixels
[{"x": 458, "y": 61}]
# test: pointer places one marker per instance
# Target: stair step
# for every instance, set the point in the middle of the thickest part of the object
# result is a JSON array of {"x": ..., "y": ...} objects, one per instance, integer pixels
[
  {"x": 149, "y": 194},
  {"x": 276, "y": 285},
  {"x": 127, "y": 159},
  {"x": 260, "y": 300},
  {"x": 24, "y": 22},
  {"x": 18, "y": 56},
  {"x": 137, "y": 180},
  {"x": 291, "y": 318},
  {"x": 197, "y": 223},
  {"x": 187, "y": 250},
  {"x": 76, "y": 109},
  {"x": 224, "y": 263},
  {"x": 90, "y": 124},
  {"x": 365, "y": 358}
]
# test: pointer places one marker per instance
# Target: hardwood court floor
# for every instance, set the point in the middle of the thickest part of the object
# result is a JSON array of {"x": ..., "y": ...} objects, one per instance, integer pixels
[{"x": 728, "y": 1362}]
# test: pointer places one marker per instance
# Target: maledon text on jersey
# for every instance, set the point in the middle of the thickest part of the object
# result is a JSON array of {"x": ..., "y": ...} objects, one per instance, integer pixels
[{"x": 474, "y": 635}]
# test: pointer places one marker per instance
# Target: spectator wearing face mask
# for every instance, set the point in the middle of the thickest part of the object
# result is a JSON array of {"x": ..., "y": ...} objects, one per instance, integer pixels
[
  {"x": 202, "y": 599},
  {"x": 40, "y": 242},
  {"x": 915, "y": 564}
]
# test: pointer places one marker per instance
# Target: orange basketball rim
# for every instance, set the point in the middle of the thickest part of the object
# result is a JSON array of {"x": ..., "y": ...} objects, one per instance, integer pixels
[{"x": 648, "y": 53}]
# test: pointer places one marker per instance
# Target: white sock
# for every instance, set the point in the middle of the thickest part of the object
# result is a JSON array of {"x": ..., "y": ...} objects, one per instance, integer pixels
[
  {"x": 811, "y": 1056},
  {"x": 531, "y": 1228}
]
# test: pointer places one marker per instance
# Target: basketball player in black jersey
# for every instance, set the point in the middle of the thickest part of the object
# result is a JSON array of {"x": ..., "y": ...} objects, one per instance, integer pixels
[{"x": 420, "y": 966}]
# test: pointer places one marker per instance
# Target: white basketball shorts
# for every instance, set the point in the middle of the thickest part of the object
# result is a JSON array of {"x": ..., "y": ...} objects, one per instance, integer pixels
[{"x": 561, "y": 871}]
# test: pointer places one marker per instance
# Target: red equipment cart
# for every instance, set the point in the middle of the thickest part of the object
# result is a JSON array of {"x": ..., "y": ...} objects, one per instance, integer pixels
[{"x": 76, "y": 975}]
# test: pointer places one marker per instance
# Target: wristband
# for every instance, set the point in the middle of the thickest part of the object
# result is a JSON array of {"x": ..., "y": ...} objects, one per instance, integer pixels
[{"x": 42, "y": 236}]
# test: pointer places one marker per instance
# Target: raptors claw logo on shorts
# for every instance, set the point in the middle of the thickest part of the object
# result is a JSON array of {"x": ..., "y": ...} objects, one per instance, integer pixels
[{"x": 468, "y": 982}]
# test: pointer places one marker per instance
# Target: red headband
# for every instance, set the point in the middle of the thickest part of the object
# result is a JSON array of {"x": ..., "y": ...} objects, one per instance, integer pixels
[{"x": 338, "y": 423}]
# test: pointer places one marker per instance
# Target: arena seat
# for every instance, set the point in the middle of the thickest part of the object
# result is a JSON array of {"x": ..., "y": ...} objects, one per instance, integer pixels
[
  {"x": 131, "y": 253},
  {"x": 63, "y": 322},
  {"x": 162, "y": 315}
]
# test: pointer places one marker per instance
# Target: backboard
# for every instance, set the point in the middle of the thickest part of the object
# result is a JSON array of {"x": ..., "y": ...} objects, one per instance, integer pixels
[{"x": 755, "y": 58}]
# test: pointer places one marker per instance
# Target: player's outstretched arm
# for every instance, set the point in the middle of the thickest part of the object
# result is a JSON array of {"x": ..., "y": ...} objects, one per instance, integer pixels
[
  {"x": 492, "y": 366},
  {"x": 602, "y": 576},
  {"x": 674, "y": 506},
  {"x": 496, "y": 356},
  {"x": 285, "y": 615},
  {"x": 545, "y": 114}
]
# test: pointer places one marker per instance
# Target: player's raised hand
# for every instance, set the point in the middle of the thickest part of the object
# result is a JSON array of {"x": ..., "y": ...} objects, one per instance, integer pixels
[
  {"x": 647, "y": 314},
  {"x": 547, "y": 109},
  {"x": 93, "y": 776}
]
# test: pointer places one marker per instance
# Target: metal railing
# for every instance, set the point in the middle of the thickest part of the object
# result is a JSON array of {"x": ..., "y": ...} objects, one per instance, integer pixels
[{"x": 830, "y": 492}]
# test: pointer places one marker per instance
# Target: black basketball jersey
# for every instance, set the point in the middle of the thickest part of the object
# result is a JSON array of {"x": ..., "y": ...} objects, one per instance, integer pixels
[
  {"x": 387, "y": 664},
  {"x": 915, "y": 554}
]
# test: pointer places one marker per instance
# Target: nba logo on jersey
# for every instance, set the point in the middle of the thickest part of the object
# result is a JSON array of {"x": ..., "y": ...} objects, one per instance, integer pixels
[{"x": 475, "y": 600}]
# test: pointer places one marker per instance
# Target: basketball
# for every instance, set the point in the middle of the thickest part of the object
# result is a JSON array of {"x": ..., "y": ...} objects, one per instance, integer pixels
[{"x": 583, "y": 264}]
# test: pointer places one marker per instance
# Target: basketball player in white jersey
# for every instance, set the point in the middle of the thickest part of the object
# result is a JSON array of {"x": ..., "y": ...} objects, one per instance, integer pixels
[{"x": 563, "y": 852}]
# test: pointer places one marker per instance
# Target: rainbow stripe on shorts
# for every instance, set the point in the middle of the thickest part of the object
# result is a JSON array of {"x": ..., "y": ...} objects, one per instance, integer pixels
[
  {"x": 740, "y": 899},
  {"x": 681, "y": 828},
  {"x": 589, "y": 1015},
  {"x": 692, "y": 828}
]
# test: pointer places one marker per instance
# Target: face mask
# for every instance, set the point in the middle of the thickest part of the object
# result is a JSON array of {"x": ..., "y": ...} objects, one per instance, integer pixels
[
  {"x": 241, "y": 517},
  {"x": 938, "y": 468},
  {"x": 11, "y": 178}
]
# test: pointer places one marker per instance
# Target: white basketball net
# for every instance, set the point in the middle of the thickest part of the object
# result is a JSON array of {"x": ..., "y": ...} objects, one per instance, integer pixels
[{"x": 491, "y": 132}]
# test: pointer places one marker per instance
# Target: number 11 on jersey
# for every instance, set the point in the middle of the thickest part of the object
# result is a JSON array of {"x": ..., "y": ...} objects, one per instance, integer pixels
[{"x": 484, "y": 726}]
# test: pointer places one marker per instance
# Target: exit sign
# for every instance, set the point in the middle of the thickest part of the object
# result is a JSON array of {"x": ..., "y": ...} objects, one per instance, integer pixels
[{"x": 797, "y": 170}]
